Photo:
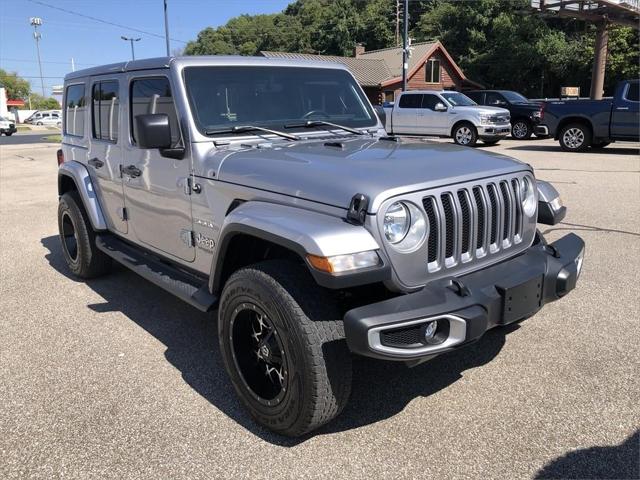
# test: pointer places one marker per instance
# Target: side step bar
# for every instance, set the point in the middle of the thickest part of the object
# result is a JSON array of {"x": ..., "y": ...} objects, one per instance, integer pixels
[{"x": 181, "y": 284}]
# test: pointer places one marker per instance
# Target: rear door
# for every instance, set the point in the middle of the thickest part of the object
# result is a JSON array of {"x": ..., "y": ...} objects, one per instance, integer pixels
[
  {"x": 625, "y": 118},
  {"x": 158, "y": 205},
  {"x": 105, "y": 149},
  {"x": 405, "y": 115}
]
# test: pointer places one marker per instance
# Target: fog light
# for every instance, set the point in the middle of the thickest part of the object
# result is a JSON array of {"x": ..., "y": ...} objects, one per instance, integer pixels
[{"x": 430, "y": 331}]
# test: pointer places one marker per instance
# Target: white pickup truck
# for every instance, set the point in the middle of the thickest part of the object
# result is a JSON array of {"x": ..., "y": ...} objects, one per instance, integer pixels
[{"x": 446, "y": 114}]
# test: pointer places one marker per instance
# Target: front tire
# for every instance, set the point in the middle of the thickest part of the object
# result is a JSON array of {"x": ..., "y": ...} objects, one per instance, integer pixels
[
  {"x": 78, "y": 239},
  {"x": 575, "y": 137},
  {"x": 465, "y": 134},
  {"x": 521, "y": 130},
  {"x": 8, "y": 134},
  {"x": 282, "y": 343}
]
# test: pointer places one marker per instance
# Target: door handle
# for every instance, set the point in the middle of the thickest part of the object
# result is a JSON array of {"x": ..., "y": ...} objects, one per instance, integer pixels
[
  {"x": 132, "y": 171},
  {"x": 622, "y": 108},
  {"x": 95, "y": 163}
]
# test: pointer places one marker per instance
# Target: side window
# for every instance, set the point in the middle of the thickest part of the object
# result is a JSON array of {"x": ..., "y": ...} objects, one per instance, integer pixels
[
  {"x": 494, "y": 98},
  {"x": 410, "y": 100},
  {"x": 475, "y": 96},
  {"x": 633, "y": 92},
  {"x": 105, "y": 108},
  {"x": 429, "y": 101},
  {"x": 74, "y": 110},
  {"x": 432, "y": 71},
  {"x": 153, "y": 95}
]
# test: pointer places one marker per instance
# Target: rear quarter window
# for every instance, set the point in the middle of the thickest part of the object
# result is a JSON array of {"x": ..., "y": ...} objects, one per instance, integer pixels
[{"x": 75, "y": 107}]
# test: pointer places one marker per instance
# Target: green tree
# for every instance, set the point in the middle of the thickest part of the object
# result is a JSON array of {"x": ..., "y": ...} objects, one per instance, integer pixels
[
  {"x": 17, "y": 88},
  {"x": 38, "y": 102}
]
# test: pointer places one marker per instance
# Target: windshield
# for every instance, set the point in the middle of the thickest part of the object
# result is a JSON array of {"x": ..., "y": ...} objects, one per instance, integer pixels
[
  {"x": 458, "y": 99},
  {"x": 514, "y": 97},
  {"x": 223, "y": 97}
]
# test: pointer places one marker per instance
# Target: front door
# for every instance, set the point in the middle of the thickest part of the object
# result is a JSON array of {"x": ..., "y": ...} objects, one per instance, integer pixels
[
  {"x": 625, "y": 119},
  {"x": 429, "y": 120},
  {"x": 105, "y": 150},
  {"x": 158, "y": 205}
]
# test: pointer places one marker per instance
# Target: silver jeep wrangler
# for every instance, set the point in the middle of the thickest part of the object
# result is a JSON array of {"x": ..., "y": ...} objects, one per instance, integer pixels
[{"x": 268, "y": 191}]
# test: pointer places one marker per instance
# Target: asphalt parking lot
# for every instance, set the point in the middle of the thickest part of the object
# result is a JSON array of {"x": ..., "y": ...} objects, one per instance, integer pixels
[{"x": 115, "y": 379}]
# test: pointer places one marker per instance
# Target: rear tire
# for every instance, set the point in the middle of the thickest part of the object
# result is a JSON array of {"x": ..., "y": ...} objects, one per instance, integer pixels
[
  {"x": 8, "y": 134},
  {"x": 465, "y": 134},
  {"x": 521, "y": 130},
  {"x": 575, "y": 137},
  {"x": 302, "y": 379},
  {"x": 78, "y": 239}
]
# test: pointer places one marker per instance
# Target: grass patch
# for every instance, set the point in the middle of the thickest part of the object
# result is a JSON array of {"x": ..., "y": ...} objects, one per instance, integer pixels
[
  {"x": 52, "y": 128},
  {"x": 53, "y": 138},
  {"x": 23, "y": 128}
]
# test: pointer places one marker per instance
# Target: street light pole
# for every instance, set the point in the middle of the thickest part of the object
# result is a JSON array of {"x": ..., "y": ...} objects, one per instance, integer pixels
[
  {"x": 166, "y": 28},
  {"x": 131, "y": 40},
  {"x": 36, "y": 22}
]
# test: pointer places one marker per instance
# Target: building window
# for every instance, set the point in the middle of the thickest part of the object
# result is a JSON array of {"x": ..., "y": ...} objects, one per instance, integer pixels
[
  {"x": 389, "y": 96},
  {"x": 432, "y": 71}
]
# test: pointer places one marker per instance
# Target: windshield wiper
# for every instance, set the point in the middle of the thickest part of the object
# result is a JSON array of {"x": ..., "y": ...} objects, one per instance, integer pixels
[
  {"x": 319, "y": 123},
  {"x": 251, "y": 128}
]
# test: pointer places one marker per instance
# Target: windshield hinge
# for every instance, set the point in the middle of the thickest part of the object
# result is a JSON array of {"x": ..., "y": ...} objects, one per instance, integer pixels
[
  {"x": 357, "y": 213},
  {"x": 187, "y": 237}
]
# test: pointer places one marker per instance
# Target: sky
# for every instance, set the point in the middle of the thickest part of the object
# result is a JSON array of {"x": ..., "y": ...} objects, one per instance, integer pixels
[{"x": 89, "y": 42}]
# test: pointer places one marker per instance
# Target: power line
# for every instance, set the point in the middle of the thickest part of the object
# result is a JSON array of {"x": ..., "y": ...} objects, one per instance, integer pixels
[
  {"x": 4, "y": 59},
  {"x": 106, "y": 22}
]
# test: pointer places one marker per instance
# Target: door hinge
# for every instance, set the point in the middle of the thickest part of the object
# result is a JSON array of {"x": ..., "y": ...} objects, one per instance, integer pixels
[
  {"x": 123, "y": 214},
  {"x": 191, "y": 187},
  {"x": 187, "y": 238}
]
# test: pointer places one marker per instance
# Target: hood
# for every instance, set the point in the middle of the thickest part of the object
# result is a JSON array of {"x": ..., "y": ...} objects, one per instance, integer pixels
[
  {"x": 333, "y": 171},
  {"x": 481, "y": 109},
  {"x": 529, "y": 104}
]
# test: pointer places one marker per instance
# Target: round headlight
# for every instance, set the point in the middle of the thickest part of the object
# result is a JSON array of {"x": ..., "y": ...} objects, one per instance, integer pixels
[
  {"x": 405, "y": 226},
  {"x": 396, "y": 222},
  {"x": 528, "y": 197}
]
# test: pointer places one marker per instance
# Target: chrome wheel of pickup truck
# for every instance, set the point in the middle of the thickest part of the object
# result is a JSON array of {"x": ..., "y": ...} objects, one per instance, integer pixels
[
  {"x": 465, "y": 134},
  {"x": 521, "y": 130},
  {"x": 575, "y": 138}
]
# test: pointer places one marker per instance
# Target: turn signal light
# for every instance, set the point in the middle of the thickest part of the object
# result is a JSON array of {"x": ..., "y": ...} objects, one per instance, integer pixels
[
  {"x": 60, "y": 156},
  {"x": 344, "y": 263}
]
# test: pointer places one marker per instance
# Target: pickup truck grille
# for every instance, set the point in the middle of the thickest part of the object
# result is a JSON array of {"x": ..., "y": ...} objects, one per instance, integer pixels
[{"x": 472, "y": 222}]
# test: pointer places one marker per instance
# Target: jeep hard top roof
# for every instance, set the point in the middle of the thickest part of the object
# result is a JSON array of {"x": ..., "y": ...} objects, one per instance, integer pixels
[{"x": 210, "y": 60}]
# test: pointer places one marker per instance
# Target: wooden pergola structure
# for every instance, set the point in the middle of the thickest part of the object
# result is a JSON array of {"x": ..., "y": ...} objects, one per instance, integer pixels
[{"x": 601, "y": 12}]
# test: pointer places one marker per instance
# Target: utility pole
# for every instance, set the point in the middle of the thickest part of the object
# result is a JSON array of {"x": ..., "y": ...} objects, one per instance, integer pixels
[
  {"x": 405, "y": 44},
  {"x": 397, "y": 22},
  {"x": 131, "y": 40},
  {"x": 36, "y": 22},
  {"x": 166, "y": 28}
]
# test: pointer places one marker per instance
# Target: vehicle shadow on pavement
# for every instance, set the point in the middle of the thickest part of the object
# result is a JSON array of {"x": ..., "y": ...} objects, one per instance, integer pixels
[
  {"x": 556, "y": 148},
  {"x": 380, "y": 389},
  {"x": 619, "y": 461}
]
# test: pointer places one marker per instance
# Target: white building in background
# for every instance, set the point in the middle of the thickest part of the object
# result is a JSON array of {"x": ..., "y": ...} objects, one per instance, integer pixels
[{"x": 3, "y": 102}]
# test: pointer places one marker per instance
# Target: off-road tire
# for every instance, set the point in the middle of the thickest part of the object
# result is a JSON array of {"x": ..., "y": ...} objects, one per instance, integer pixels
[
  {"x": 87, "y": 261},
  {"x": 521, "y": 130},
  {"x": 309, "y": 326},
  {"x": 575, "y": 137},
  {"x": 460, "y": 135}
]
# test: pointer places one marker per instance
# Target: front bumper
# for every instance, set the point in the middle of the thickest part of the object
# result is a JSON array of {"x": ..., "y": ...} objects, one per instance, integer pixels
[
  {"x": 494, "y": 131},
  {"x": 466, "y": 307},
  {"x": 9, "y": 129}
]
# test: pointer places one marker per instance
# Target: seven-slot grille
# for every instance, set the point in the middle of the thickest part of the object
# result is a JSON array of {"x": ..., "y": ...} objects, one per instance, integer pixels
[{"x": 473, "y": 221}]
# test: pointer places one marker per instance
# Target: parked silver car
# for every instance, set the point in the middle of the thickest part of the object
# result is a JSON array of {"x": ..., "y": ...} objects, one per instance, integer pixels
[
  {"x": 446, "y": 114},
  {"x": 268, "y": 192}
]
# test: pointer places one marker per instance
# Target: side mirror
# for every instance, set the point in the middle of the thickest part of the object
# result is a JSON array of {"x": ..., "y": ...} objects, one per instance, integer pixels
[
  {"x": 440, "y": 107},
  {"x": 153, "y": 130}
]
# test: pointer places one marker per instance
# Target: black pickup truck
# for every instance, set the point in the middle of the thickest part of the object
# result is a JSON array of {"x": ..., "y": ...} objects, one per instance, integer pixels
[
  {"x": 580, "y": 124},
  {"x": 525, "y": 114}
]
